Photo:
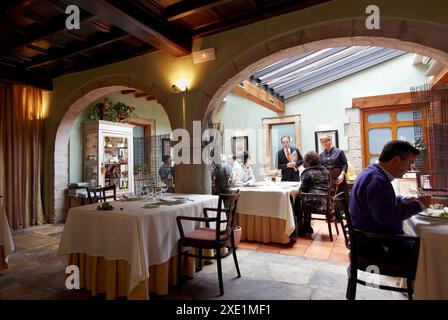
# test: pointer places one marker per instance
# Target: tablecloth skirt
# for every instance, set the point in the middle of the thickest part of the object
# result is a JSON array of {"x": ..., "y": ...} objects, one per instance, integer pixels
[
  {"x": 3, "y": 264},
  {"x": 263, "y": 229},
  {"x": 100, "y": 275}
]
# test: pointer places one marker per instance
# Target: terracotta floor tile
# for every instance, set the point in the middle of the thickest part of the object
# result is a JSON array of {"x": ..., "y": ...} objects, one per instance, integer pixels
[
  {"x": 269, "y": 248},
  {"x": 343, "y": 250},
  {"x": 317, "y": 249},
  {"x": 249, "y": 245},
  {"x": 338, "y": 257},
  {"x": 295, "y": 251}
]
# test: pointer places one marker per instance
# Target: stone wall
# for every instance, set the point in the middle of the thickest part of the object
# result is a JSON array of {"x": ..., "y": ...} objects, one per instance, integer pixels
[{"x": 352, "y": 129}]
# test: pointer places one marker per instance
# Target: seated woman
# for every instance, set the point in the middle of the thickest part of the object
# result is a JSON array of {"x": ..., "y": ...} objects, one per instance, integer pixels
[
  {"x": 315, "y": 179},
  {"x": 244, "y": 176}
]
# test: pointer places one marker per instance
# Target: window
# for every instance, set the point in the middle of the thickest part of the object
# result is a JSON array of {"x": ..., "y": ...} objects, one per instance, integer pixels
[
  {"x": 275, "y": 128},
  {"x": 384, "y": 124}
]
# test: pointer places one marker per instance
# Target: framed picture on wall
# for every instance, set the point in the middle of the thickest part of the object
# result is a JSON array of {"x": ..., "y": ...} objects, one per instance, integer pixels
[
  {"x": 239, "y": 145},
  {"x": 166, "y": 147},
  {"x": 319, "y": 134}
]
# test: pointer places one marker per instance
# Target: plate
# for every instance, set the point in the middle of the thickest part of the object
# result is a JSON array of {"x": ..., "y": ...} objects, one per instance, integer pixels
[
  {"x": 433, "y": 213},
  {"x": 180, "y": 198},
  {"x": 151, "y": 205}
]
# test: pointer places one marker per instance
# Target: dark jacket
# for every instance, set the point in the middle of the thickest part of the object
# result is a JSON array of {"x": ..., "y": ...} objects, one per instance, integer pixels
[
  {"x": 374, "y": 207},
  {"x": 289, "y": 174},
  {"x": 315, "y": 179}
]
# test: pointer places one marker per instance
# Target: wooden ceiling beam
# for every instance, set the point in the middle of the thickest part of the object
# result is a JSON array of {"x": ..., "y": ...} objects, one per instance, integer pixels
[
  {"x": 255, "y": 16},
  {"x": 141, "y": 94},
  {"x": 11, "y": 8},
  {"x": 23, "y": 77},
  {"x": 151, "y": 29},
  {"x": 186, "y": 8},
  {"x": 103, "y": 60},
  {"x": 37, "y": 33},
  {"x": 128, "y": 91},
  {"x": 252, "y": 92},
  {"x": 77, "y": 48}
]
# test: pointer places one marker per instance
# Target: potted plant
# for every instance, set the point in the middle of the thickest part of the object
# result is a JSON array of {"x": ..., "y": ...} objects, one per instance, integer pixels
[
  {"x": 107, "y": 110},
  {"x": 123, "y": 111}
]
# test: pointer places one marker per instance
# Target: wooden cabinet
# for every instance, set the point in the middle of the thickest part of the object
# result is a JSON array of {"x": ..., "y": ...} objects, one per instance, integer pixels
[{"x": 108, "y": 155}]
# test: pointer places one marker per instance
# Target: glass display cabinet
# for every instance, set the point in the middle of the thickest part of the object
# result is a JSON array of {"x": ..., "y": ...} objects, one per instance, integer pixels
[{"x": 108, "y": 155}]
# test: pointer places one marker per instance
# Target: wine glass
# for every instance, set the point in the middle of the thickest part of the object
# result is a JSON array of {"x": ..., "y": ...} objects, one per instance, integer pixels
[{"x": 164, "y": 187}]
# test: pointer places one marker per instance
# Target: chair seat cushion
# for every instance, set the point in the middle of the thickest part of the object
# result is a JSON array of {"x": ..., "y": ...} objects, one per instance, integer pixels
[{"x": 205, "y": 234}]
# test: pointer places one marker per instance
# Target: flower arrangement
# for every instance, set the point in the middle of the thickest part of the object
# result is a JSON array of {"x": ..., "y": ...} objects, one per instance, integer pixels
[{"x": 107, "y": 110}]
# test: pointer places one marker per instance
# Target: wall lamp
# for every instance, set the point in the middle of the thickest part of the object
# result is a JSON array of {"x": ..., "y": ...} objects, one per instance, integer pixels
[
  {"x": 179, "y": 90},
  {"x": 181, "y": 86}
]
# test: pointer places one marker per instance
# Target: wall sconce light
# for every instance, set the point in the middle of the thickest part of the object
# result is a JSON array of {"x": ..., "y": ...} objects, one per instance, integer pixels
[{"x": 181, "y": 86}]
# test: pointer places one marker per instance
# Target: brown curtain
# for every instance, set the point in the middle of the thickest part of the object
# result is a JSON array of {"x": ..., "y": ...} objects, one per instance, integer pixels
[{"x": 21, "y": 141}]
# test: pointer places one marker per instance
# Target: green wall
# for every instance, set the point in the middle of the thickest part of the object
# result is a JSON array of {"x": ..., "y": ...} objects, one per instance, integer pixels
[
  {"x": 143, "y": 109},
  {"x": 241, "y": 117}
]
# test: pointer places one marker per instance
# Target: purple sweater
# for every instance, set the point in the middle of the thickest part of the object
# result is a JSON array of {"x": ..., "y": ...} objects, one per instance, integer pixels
[{"x": 374, "y": 206}]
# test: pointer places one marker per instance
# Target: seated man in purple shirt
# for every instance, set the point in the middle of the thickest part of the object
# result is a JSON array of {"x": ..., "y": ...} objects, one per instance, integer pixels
[{"x": 374, "y": 207}]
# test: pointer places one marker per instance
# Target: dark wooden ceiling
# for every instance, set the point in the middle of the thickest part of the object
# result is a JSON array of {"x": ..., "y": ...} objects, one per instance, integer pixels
[{"x": 36, "y": 46}]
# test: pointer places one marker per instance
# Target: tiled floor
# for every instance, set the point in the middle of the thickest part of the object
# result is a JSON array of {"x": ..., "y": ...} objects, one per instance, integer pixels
[
  {"x": 317, "y": 246},
  {"x": 313, "y": 268}
]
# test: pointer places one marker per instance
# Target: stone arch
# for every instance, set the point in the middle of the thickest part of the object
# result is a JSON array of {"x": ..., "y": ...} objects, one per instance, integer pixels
[
  {"x": 421, "y": 37},
  {"x": 76, "y": 103}
]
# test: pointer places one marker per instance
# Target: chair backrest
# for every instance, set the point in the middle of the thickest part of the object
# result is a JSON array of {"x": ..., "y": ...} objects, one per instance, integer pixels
[
  {"x": 227, "y": 203},
  {"x": 326, "y": 195},
  {"x": 101, "y": 194},
  {"x": 341, "y": 206},
  {"x": 106, "y": 196}
]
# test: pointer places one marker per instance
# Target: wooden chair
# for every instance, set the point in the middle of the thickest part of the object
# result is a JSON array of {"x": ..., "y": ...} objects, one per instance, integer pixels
[
  {"x": 211, "y": 238},
  {"x": 361, "y": 259},
  {"x": 104, "y": 193},
  {"x": 329, "y": 210}
]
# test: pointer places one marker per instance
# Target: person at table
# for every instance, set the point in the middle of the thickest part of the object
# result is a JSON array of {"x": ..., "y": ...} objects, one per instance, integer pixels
[
  {"x": 289, "y": 160},
  {"x": 166, "y": 171},
  {"x": 232, "y": 167},
  {"x": 315, "y": 179},
  {"x": 244, "y": 176},
  {"x": 374, "y": 206},
  {"x": 335, "y": 161}
]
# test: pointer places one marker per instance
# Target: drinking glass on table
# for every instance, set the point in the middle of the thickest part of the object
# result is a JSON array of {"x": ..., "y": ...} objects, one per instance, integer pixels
[{"x": 164, "y": 188}]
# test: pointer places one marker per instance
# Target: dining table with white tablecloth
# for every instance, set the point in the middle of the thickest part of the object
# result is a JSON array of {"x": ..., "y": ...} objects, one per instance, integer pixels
[
  {"x": 266, "y": 211},
  {"x": 130, "y": 250},
  {"x": 431, "y": 282},
  {"x": 6, "y": 242}
]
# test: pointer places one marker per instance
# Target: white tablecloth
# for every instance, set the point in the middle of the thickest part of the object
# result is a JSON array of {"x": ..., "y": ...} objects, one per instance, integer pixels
[
  {"x": 431, "y": 281},
  {"x": 5, "y": 235},
  {"x": 271, "y": 200},
  {"x": 142, "y": 237}
]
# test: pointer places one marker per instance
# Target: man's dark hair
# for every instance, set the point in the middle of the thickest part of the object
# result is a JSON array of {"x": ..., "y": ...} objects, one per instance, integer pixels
[
  {"x": 397, "y": 148},
  {"x": 311, "y": 159},
  {"x": 165, "y": 158},
  {"x": 245, "y": 156},
  {"x": 289, "y": 138}
]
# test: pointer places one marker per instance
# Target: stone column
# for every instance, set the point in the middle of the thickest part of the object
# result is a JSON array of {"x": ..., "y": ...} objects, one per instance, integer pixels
[{"x": 352, "y": 128}]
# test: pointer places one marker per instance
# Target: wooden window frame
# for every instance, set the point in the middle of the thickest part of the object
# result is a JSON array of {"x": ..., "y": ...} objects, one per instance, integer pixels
[
  {"x": 267, "y": 127},
  {"x": 391, "y": 103}
]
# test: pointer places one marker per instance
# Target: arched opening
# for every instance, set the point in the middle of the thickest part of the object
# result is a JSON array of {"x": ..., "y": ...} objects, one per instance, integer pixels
[
  {"x": 74, "y": 106},
  {"x": 416, "y": 36}
]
